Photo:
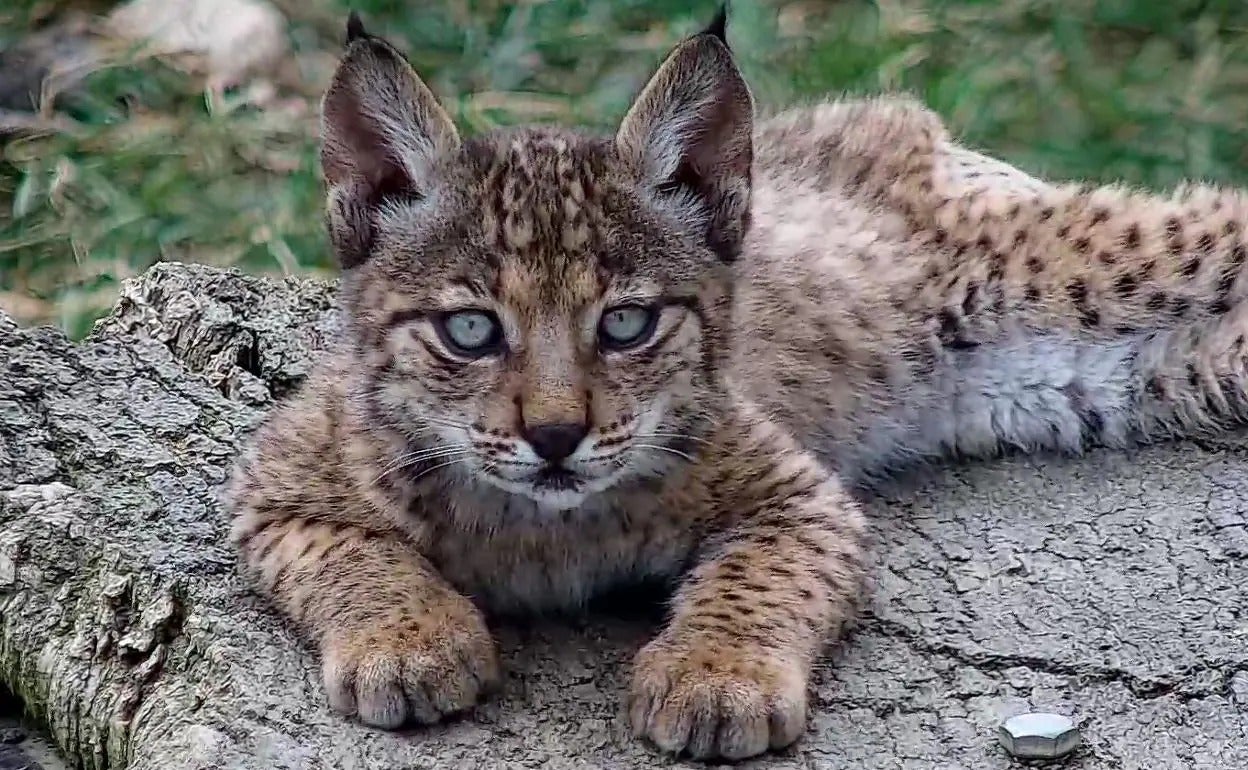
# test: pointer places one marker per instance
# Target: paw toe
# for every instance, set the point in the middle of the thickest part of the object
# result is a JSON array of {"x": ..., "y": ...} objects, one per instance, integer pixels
[
  {"x": 745, "y": 736},
  {"x": 705, "y": 714},
  {"x": 339, "y": 679},
  {"x": 379, "y": 697},
  {"x": 443, "y": 688},
  {"x": 787, "y": 723}
]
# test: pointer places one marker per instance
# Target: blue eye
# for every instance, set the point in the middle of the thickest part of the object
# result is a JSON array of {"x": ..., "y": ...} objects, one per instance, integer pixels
[
  {"x": 473, "y": 332},
  {"x": 626, "y": 326}
]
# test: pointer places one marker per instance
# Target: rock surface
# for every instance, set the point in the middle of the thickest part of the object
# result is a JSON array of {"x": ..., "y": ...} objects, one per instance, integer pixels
[
  {"x": 1110, "y": 588},
  {"x": 20, "y": 749}
]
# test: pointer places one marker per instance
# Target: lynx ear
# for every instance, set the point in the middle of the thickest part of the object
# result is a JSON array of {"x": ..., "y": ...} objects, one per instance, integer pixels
[
  {"x": 383, "y": 132},
  {"x": 689, "y": 137}
]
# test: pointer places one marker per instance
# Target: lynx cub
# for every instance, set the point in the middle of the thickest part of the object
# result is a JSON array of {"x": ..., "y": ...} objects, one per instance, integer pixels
[{"x": 572, "y": 362}]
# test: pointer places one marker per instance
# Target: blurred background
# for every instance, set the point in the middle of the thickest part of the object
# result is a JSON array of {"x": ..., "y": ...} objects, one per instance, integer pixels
[{"x": 186, "y": 129}]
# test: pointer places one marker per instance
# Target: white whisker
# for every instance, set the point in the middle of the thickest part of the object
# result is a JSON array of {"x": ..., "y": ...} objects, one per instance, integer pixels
[
  {"x": 419, "y": 453},
  {"x": 444, "y": 422},
  {"x": 412, "y": 458},
  {"x": 667, "y": 449},
  {"x": 682, "y": 436},
  {"x": 427, "y": 471}
]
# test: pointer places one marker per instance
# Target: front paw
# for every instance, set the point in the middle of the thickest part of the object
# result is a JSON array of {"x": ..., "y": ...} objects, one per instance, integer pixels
[
  {"x": 713, "y": 699},
  {"x": 418, "y": 667}
]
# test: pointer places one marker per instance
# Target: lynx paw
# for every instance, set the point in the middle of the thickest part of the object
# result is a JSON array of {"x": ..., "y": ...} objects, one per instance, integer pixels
[
  {"x": 711, "y": 700},
  {"x": 420, "y": 670}
]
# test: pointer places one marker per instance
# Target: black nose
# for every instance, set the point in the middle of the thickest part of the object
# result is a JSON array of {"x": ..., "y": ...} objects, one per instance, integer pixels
[{"x": 556, "y": 441}]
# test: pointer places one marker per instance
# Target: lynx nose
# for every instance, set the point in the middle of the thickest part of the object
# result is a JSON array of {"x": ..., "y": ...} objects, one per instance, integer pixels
[{"x": 557, "y": 441}]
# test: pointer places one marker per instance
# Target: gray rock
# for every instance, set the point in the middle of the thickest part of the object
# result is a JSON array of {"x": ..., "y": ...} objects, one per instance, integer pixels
[
  {"x": 1111, "y": 586},
  {"x": 21, "y": 749}
]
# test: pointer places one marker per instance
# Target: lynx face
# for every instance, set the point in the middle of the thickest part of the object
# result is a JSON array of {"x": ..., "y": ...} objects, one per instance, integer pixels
[
  {"x": 538, "y": 310},
  {"x": 547, "y": 327}
]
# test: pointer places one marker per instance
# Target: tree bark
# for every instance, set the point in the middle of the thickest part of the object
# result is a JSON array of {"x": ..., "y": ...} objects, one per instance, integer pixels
[{"x": 1110, "y": 588}]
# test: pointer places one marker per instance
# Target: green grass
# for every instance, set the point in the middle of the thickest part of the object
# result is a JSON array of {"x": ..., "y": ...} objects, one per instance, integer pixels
[{"x": 1141, "y": 91}]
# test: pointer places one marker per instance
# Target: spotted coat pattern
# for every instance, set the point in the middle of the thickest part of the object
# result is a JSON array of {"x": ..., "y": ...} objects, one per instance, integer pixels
[{"x": 835, "y": 293}]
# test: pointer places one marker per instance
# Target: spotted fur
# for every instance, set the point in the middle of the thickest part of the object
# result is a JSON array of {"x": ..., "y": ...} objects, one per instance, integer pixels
[{"x": 840, "y": 291}]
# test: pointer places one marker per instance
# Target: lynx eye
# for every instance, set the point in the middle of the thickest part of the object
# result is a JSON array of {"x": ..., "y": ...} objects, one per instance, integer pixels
[
  {"x": 626, "y": 326},
  {"x": 470, "y": 332}
]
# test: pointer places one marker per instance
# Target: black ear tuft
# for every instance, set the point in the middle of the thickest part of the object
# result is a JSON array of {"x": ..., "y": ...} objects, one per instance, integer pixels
[
  {"x": 691, "y": 129},
  {"x": 355, "y": 28},
  {"x": 718, "y": 28}
]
